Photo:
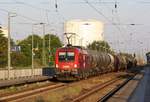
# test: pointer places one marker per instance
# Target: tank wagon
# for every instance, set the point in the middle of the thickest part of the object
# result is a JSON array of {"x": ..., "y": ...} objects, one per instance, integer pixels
[{"x": 74, "y": 62}]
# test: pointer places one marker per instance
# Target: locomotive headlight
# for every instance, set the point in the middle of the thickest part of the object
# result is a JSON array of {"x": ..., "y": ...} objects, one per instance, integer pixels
[
  {"x": 75, "y": 65},
  {"x": 75, "y": 71},
  {"x": 56, "y": 65}
]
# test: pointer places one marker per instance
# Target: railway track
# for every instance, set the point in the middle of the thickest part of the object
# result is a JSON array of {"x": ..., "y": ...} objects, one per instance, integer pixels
[
  {"x": 21, "y": 95},
  {"x": 54, "y": 86},
  {"x": 31, "y": 92},
  {"x": 118, "y": 83},
  {"x": 112, "y": 92}
]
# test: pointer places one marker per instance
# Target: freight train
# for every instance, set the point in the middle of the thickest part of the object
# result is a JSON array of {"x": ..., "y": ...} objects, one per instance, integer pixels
[{"x": 75, "y": 62}]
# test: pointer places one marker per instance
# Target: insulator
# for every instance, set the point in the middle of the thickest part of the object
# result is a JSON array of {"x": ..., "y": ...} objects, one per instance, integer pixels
[
  {"x": 115, "y": 5},
  {"x": 56, "y": 6}
]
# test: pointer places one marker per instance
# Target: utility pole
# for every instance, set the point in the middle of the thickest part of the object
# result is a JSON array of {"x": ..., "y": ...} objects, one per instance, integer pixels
[
  {"x": 32, "y": 51},
  {"x": 9, "y": 49},
  {"x": 43, "y": 49},
  {"x": 49, "y": 49},
  {"x": 49, "y": 43},
  {"x": 9, "y": 43}
]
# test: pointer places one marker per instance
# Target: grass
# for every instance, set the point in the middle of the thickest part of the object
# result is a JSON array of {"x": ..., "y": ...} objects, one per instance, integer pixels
[
  {"x": 66, "y": 94},
  {"x": 60, "y": 95}
]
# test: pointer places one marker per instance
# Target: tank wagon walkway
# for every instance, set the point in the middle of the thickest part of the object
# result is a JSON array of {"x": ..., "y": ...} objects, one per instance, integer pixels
[{"x": 142, "y": 92}]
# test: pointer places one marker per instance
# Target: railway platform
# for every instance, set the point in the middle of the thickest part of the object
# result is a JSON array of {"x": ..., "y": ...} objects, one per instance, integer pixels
[
  {"x": 142, "y": 92},
  {"x": 23, "y": 80},
  {"x": 137, "y": 90}
]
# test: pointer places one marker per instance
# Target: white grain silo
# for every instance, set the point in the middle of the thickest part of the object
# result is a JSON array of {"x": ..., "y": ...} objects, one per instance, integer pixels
[{"x": 86, "y": 31}]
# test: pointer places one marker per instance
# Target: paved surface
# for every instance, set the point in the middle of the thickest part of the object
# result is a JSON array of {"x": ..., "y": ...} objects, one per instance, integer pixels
[
  {"x": 7, "y": 83},
  {"x": 142, "y": 92},
  {"x": 124, "y": 93}
]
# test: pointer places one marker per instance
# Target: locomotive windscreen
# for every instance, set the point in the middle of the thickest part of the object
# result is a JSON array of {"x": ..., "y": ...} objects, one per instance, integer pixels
[{"x": 66, "y": 56}]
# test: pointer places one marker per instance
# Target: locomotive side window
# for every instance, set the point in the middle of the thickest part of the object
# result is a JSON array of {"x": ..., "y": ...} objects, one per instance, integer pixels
[{"x": 66, "y": 56}]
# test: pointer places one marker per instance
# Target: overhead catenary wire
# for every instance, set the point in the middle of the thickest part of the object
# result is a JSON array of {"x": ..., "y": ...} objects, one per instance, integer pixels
[
  {"x": 30, "y": 5},
  {"x": 21, "y": 15},
  {"x": 116, "y": 16},
  {"x": 35, "y": 7},
  {"x": 57, "y": 11},
  {"x": 108, "y": 20},
  {"x": 100, "y": 13},
  {"x": 113, "y": 23},
  {"x": 28, "y": 18},
  {"x": 47, "y": 10},
  {"x": 59, "y": 14},
  {"x": 56, "y": 5}
]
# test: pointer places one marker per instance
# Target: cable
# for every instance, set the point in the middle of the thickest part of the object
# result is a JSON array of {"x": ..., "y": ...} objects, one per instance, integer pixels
[
  {"x": 30, "y": 5},
  {"x": 61, "y": 16},
  {"x": 47, "y": 17},
  {"x": 100, "y": 13},
  {"x": 4, "y": 10},
  {"x": 8, "y": 3},
  {"x": 56, "y": 5},
  {"x": 58, "y": 13},
  {"x": 28, "y": 18}
]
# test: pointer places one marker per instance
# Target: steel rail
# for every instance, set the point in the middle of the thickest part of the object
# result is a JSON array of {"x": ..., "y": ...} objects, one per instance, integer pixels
[
  {"x": 112, "y": 92},
  {"x": 95, "y": 89},
  {"x": 27, "y": 93}
]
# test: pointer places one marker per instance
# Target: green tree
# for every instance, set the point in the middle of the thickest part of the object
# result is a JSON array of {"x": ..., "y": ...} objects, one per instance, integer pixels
[
  {"x": 26, "y": 48},
  {"x": 19, "y": 59},
  {"x": 3, "y": 50},
  {"x": 99, "y": 46}
]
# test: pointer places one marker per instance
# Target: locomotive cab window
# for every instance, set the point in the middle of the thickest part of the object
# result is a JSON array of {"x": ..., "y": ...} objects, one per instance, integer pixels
[
  {"x": 62, "y": 56},
  {"x": 70, "y": 56},
  {"x": 66, "y": 56}
]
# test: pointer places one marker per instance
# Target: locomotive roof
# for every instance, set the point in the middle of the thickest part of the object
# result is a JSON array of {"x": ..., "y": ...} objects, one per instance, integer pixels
[
  {"x": 80, "y": 48},
  {"x": 64, "y": 48},
  {"x": 72, "y": 47}
]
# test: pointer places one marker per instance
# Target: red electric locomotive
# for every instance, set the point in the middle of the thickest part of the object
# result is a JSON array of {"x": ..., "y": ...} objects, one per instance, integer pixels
[{"x": 69, "y": 60}]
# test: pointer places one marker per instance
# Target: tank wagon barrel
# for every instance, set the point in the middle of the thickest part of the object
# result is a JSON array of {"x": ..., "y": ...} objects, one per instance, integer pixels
[{"x": 103, "y": 61}]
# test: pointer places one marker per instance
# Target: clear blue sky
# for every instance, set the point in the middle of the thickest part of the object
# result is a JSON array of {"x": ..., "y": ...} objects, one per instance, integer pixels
[{"x": 127, "y": 12}]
